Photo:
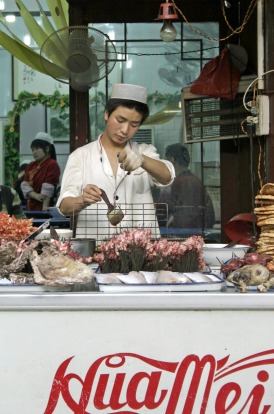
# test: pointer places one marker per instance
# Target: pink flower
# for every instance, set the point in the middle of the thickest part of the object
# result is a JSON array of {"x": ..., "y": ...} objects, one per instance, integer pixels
[{"x": 165, "y": 253}]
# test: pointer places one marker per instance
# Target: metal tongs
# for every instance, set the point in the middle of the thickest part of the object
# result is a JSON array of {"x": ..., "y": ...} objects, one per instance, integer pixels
[{"x": 115, "y": 215}]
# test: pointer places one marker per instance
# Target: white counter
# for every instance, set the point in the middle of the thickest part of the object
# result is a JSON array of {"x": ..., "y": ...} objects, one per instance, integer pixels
[
  {"x": 138, "y": 301},
  {"x": 145, "y": 353}
]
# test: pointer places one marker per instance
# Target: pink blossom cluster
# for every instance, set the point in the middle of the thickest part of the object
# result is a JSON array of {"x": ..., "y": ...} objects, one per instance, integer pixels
[
  {"x": 175, "y": 250},
  {"x": 167, "y": 247},
  {"x": 121, "y": 242},
  {"x": 161, "y": 252}
]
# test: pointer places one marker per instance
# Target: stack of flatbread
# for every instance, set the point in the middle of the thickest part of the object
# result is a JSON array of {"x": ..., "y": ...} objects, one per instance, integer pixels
[{"x": 264, "y": 211}]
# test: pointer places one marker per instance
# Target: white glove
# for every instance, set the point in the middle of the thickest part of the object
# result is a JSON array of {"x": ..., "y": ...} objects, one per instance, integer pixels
[{"x": 132, "y": 160}]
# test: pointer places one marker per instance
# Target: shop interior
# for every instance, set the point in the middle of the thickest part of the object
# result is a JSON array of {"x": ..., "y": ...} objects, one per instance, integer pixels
[{"x": 230, "y": 164}]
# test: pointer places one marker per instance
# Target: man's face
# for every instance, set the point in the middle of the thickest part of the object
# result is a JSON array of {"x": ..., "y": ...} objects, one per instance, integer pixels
[{"x": 122, "y": 124}]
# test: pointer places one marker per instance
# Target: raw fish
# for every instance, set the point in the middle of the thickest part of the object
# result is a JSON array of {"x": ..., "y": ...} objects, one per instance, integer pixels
[
  {"x": 150, "y": 277},
  {"x": 165, "y": 276},
  {"x": 132, "y": 278},
  {"x": 197, "y": 277},
  {"x": 107, "y": 278}
]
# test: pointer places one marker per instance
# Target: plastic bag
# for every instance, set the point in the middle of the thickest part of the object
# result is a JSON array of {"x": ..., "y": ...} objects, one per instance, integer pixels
[{"x": 219, "y": 78}]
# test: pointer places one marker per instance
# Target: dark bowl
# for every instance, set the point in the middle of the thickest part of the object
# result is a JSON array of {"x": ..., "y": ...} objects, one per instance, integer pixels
[{"x": 83, "y": 246}]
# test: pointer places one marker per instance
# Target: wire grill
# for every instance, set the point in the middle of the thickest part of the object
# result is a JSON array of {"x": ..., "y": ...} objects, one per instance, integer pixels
[{"x": 92, "y": 221}]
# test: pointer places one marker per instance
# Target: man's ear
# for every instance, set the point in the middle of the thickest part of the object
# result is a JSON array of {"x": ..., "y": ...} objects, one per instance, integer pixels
[{"x": 106, "y": 116}]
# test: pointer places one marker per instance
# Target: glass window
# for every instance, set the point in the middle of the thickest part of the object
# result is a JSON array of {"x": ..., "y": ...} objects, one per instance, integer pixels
[{"x": 165, "y": 68}]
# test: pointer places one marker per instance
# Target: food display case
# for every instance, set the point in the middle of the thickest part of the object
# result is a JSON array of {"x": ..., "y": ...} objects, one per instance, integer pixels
[{"x": 146, "y": 352}]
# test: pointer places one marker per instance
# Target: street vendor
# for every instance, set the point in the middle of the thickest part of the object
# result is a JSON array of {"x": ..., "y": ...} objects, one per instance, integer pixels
[
  {"x": 42, "y": 175},
  {"x": 114, "y": 163}
]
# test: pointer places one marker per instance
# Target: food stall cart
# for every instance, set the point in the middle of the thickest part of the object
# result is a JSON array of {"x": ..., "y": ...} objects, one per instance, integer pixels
[
  {"x": 76, "y": 346},
  {"x": 164, "y": 353}
]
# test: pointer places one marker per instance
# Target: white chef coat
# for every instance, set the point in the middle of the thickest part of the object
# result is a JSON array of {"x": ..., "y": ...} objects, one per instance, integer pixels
[{"x": 89, "y": 164}]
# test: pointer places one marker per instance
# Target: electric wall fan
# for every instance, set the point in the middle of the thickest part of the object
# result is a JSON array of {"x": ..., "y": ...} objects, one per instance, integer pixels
[{"x": 79, "y": 56}]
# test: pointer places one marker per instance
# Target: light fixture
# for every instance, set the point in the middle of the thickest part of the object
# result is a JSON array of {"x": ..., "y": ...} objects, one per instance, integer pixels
[
  {"x": 167, "y": 13},
  {"x": 2, "y": 5}
]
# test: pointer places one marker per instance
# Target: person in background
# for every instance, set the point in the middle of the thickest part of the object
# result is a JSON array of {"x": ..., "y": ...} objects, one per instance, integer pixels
[
  {"x": 125, "y": 170},
  {"x": 10, "y": 202},
  {"x": 189, "y": 204},
  {"x": 17, "y": 183},
  {"x": 42, "y": 174}
]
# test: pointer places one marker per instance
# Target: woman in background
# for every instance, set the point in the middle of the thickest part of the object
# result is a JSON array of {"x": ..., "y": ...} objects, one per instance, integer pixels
[{"x": 42, "y": 175}]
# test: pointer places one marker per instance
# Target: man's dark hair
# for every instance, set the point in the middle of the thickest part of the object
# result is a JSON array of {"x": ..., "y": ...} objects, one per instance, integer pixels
[
  {"x": 179, "y": 153},
  {"x": 140, "y": 107}
]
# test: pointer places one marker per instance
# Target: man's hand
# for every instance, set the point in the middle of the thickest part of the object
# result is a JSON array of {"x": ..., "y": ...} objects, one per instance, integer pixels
[
  {"x": 131, "y": 159},
  {"x": 91, "y": 194}
]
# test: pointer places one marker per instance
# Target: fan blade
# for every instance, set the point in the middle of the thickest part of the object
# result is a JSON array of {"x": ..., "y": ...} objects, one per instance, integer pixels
[
  {"x": 48, "y": 27},
  {"x": 37, "y": 33},
  {"x": 84, "y": 81},
  {"x": 59, "y": 12}
]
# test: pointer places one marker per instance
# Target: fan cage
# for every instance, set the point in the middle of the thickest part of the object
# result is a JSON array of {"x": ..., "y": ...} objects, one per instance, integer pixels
[{"x": 57, "y": 48}]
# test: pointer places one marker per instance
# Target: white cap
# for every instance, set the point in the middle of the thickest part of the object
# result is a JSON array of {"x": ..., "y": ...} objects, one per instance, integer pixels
[
  {"x": 44, "y": 136},
  {"x": 127, "y": 91}
]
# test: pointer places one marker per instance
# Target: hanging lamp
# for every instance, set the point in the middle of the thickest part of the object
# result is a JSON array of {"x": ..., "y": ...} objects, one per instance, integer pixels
[{"x": 167, "y": 13}]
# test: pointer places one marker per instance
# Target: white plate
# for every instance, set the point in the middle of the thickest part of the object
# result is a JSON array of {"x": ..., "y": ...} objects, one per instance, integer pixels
[{"x": 163, "y": 287}]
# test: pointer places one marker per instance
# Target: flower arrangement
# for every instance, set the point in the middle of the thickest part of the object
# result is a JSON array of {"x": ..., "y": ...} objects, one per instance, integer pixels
[
  {"x": 134, "y": 250},
  {"x": 13, "y": 229}
]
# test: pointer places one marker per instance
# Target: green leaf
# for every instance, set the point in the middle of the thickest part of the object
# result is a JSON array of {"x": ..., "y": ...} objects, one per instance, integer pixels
[
  {"x": 40, "y": 36},
  {"x": 59, "y": 12},
  {"x": 31, "y": 58},
  {"x": 36, "y": 32},
  {"x": 3, "y": 21},
  {"x": 48, "y": 27}
]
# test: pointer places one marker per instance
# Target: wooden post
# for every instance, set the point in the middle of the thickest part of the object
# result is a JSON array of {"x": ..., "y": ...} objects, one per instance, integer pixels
[{"x": 78, "y": 101}]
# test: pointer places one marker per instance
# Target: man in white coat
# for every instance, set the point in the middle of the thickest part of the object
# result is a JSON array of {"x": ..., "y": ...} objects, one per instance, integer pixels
[{"x": 125, "y": 171}]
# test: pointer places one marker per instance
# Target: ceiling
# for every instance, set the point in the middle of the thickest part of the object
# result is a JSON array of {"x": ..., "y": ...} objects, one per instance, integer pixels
[{"x": 100, "y": 11}]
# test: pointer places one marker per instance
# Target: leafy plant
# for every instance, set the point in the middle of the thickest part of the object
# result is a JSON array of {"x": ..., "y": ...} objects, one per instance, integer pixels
[{"x": 11, "y": 130}]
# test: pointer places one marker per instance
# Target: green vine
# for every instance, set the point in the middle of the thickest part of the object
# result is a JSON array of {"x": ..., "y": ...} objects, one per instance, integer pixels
[{"x": 11, "y": 129}]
